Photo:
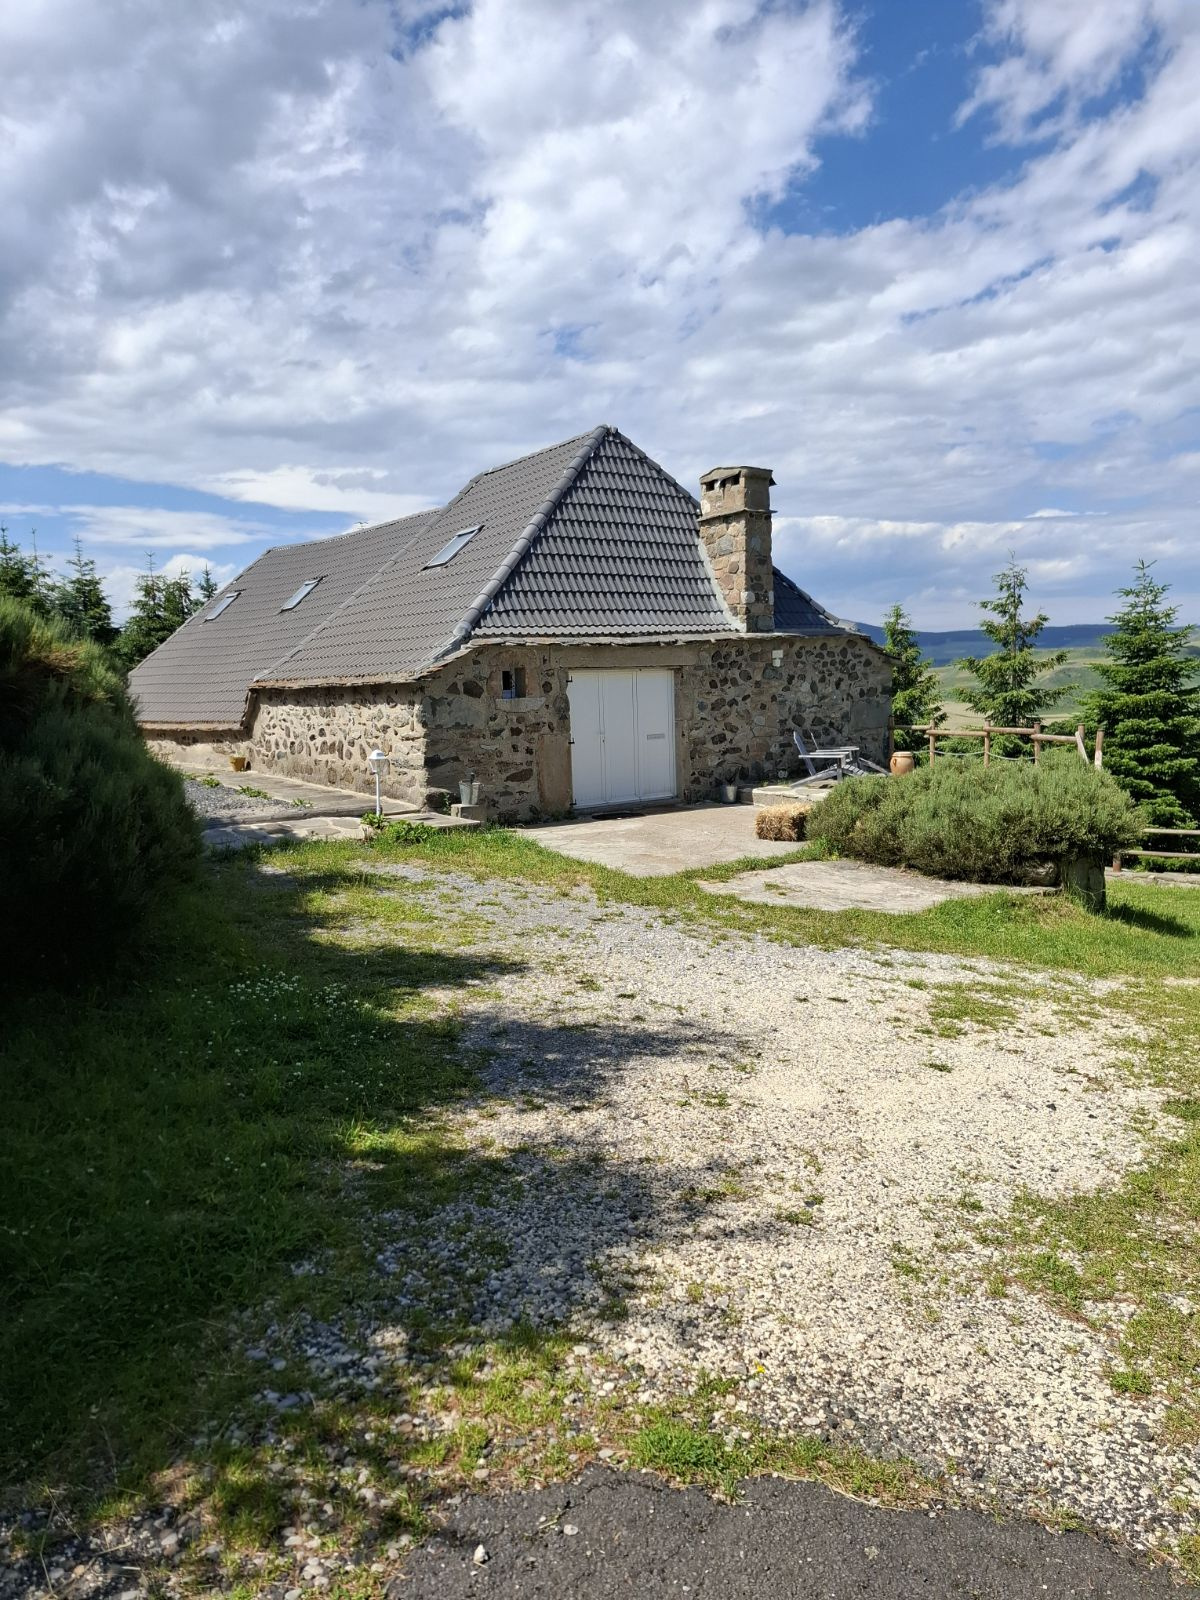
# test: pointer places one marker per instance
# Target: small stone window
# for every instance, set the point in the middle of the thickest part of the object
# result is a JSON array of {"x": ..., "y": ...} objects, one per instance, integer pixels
[{"x": 512, "y": 683}]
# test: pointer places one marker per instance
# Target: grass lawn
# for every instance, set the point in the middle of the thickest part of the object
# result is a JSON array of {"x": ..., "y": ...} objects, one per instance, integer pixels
[{"x": 178, "y": 1141}]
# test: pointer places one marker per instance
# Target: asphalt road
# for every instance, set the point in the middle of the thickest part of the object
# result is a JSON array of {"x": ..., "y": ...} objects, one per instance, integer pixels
[{"x": 636, "y": 1536}]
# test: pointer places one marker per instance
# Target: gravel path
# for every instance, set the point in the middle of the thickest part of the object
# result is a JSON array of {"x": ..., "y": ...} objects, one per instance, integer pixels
[
  {"x": 223, "y": 800},
  {"x": 716, "y": 1154},
  {"x": 756, "y": 1154}
]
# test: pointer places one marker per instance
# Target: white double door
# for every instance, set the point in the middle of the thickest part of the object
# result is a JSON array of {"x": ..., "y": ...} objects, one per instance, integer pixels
[{"x": 622, "y": 736}]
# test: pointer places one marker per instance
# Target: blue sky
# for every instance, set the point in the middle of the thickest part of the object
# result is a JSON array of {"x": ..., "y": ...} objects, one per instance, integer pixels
[{"x": 270, "y": 273}]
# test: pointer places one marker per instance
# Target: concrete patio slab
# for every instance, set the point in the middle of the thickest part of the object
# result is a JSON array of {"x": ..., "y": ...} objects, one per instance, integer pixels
[
  {"x": 661, "y": 842},
  {"x": 850, "y": 886}
]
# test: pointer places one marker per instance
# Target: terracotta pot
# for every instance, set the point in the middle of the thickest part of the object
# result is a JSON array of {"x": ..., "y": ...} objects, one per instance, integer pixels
[{"x": 902, "y": 761}]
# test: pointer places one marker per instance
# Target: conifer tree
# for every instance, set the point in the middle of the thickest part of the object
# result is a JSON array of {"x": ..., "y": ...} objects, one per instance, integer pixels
[
  {"x": 160, "y": 606},
  {"x": 206, "y": 587},
  {"x": 1008, "y": 688},
  {"x": 23, "y": 577},
  {"x": 81, "y": 602},
  {"x": 916, "y": 692},
  {"x": 146, "y": 626},
  {"x": 1149, "y": 704},
  {"x": 179, "y": 603}
]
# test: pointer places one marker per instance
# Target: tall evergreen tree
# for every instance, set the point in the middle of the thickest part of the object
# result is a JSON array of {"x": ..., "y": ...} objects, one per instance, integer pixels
[
  {"x": 916, "y": 693},
  {"x": 160, "y": 606},
  {"x": 1149, "y": 705},
  {"x": 23, "y": 577},
  {"x": 145, "y": 627},
  {"x": 1008, "y": 689},
  {"x": 179, "y": 603},
  {"x": 206, "y": 586},
  {"x": 81, "y": 602}
]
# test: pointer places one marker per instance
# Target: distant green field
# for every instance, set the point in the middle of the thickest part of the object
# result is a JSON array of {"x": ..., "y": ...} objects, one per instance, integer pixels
[{"x": 1078, "y": 674}]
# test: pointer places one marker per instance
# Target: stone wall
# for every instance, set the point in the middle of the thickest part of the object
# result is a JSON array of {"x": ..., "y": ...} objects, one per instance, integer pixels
[
  {"x": 518, "y": 749},
  {"x": 325, "y": 736},
  {"x": 737, "y": 701},
  {"x": 188, "y": 748},
  {"x": 454, "y": 724},
  {"x": 735, "y": 709},
  {"x": 738, "y": 706}
]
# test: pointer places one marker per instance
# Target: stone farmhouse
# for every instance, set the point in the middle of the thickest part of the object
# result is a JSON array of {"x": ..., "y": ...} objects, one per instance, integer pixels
[{"x": 574, "y": 629}]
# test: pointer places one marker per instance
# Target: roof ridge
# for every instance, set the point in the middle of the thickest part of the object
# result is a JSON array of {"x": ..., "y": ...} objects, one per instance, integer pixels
[
  {"x": 370, "y": 527},
  {"x": 657, "y": 465},
  {"x": 542, "y": 450},
  {"x": 337, "y": 611},
  {"x": 503, "y": 466},
  {"x": 535, "y": 525}
]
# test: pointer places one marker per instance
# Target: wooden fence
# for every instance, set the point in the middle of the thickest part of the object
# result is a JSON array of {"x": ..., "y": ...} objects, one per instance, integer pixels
[
  {"x": 988, "y": 732},
  {"x": 1166, "y": 855}
]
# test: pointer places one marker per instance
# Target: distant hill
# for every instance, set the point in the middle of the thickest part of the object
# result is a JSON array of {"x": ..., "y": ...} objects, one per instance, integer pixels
[
  {"x": 1084, "y": 642},
  {"x": 945, "y": 648}
]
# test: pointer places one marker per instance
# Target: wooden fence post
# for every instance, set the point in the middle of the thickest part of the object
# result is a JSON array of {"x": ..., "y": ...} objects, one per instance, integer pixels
[
  {"x": 1099, "y": 758},
  {"x": 1079, "y": 744},
  {"x": 987, "y": 740},
  {"x": 932, "y": 745},
  {"x": 1037, "y": 743}
]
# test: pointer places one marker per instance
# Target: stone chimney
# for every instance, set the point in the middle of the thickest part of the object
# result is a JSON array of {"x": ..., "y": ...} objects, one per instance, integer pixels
[{"x": 735, "y": 525}]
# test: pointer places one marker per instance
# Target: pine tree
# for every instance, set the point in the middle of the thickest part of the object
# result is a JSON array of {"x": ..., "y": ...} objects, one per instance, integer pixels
[
  {"x": 206, "y": 587},
  {"x": 81, "y": 602},
  {"x": 1009, "y": 691},
  {"x": 1150, "y": 704},
  {"x": 160, "y": 606},
  {"x": 179, "y": 603},
  {"x": 916, "y": 692},
  {"x": 146, "y": 626},
  {"x": 23, "y": 577}
]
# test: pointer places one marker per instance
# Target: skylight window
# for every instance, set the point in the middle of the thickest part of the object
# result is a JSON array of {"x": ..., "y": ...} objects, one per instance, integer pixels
[
  {"x": 222, "y": 605},
  {"x": 452, "y": 546},
  {"x": 302, "y": 593}
]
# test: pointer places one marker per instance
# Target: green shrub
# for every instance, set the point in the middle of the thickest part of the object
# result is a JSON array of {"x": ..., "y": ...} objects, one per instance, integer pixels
[
  {"x": 92, "y": 827},
  {"x": 988, "y": 825},
  {"x": 398, "y": 830}
]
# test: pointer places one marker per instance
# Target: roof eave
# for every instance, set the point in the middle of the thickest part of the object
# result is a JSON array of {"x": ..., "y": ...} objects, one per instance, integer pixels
[{"x": 180, "y": 726}]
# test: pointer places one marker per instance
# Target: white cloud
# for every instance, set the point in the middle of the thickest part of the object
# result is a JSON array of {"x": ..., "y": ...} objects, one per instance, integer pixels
[
  {"x": 311, "y": 257},
  {"x": 151, "y": 528},
  {"x": 349, "y": 489}
]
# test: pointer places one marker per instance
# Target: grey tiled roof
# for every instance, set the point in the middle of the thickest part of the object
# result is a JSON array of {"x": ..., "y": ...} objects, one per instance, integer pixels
[
  {"x": 621, "y": 555},
  {"x": 798, "y": 612},
  {"x": 586, "y": 539},
  {"x": 202, "y": 673},
  {"x": 408, "y": 614}
]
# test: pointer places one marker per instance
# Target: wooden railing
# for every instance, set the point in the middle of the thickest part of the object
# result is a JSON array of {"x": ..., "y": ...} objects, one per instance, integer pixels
[
  {"x": 1166, "y": 855},
  {"x": 988, "y": 732}
]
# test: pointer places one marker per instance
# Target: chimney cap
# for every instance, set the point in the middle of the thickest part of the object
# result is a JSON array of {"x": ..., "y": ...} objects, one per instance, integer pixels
[{"x": 713, "y": 473}]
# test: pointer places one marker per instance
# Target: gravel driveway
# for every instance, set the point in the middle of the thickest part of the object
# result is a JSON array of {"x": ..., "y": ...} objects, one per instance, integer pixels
[{"x": 766, "y": 1163}]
